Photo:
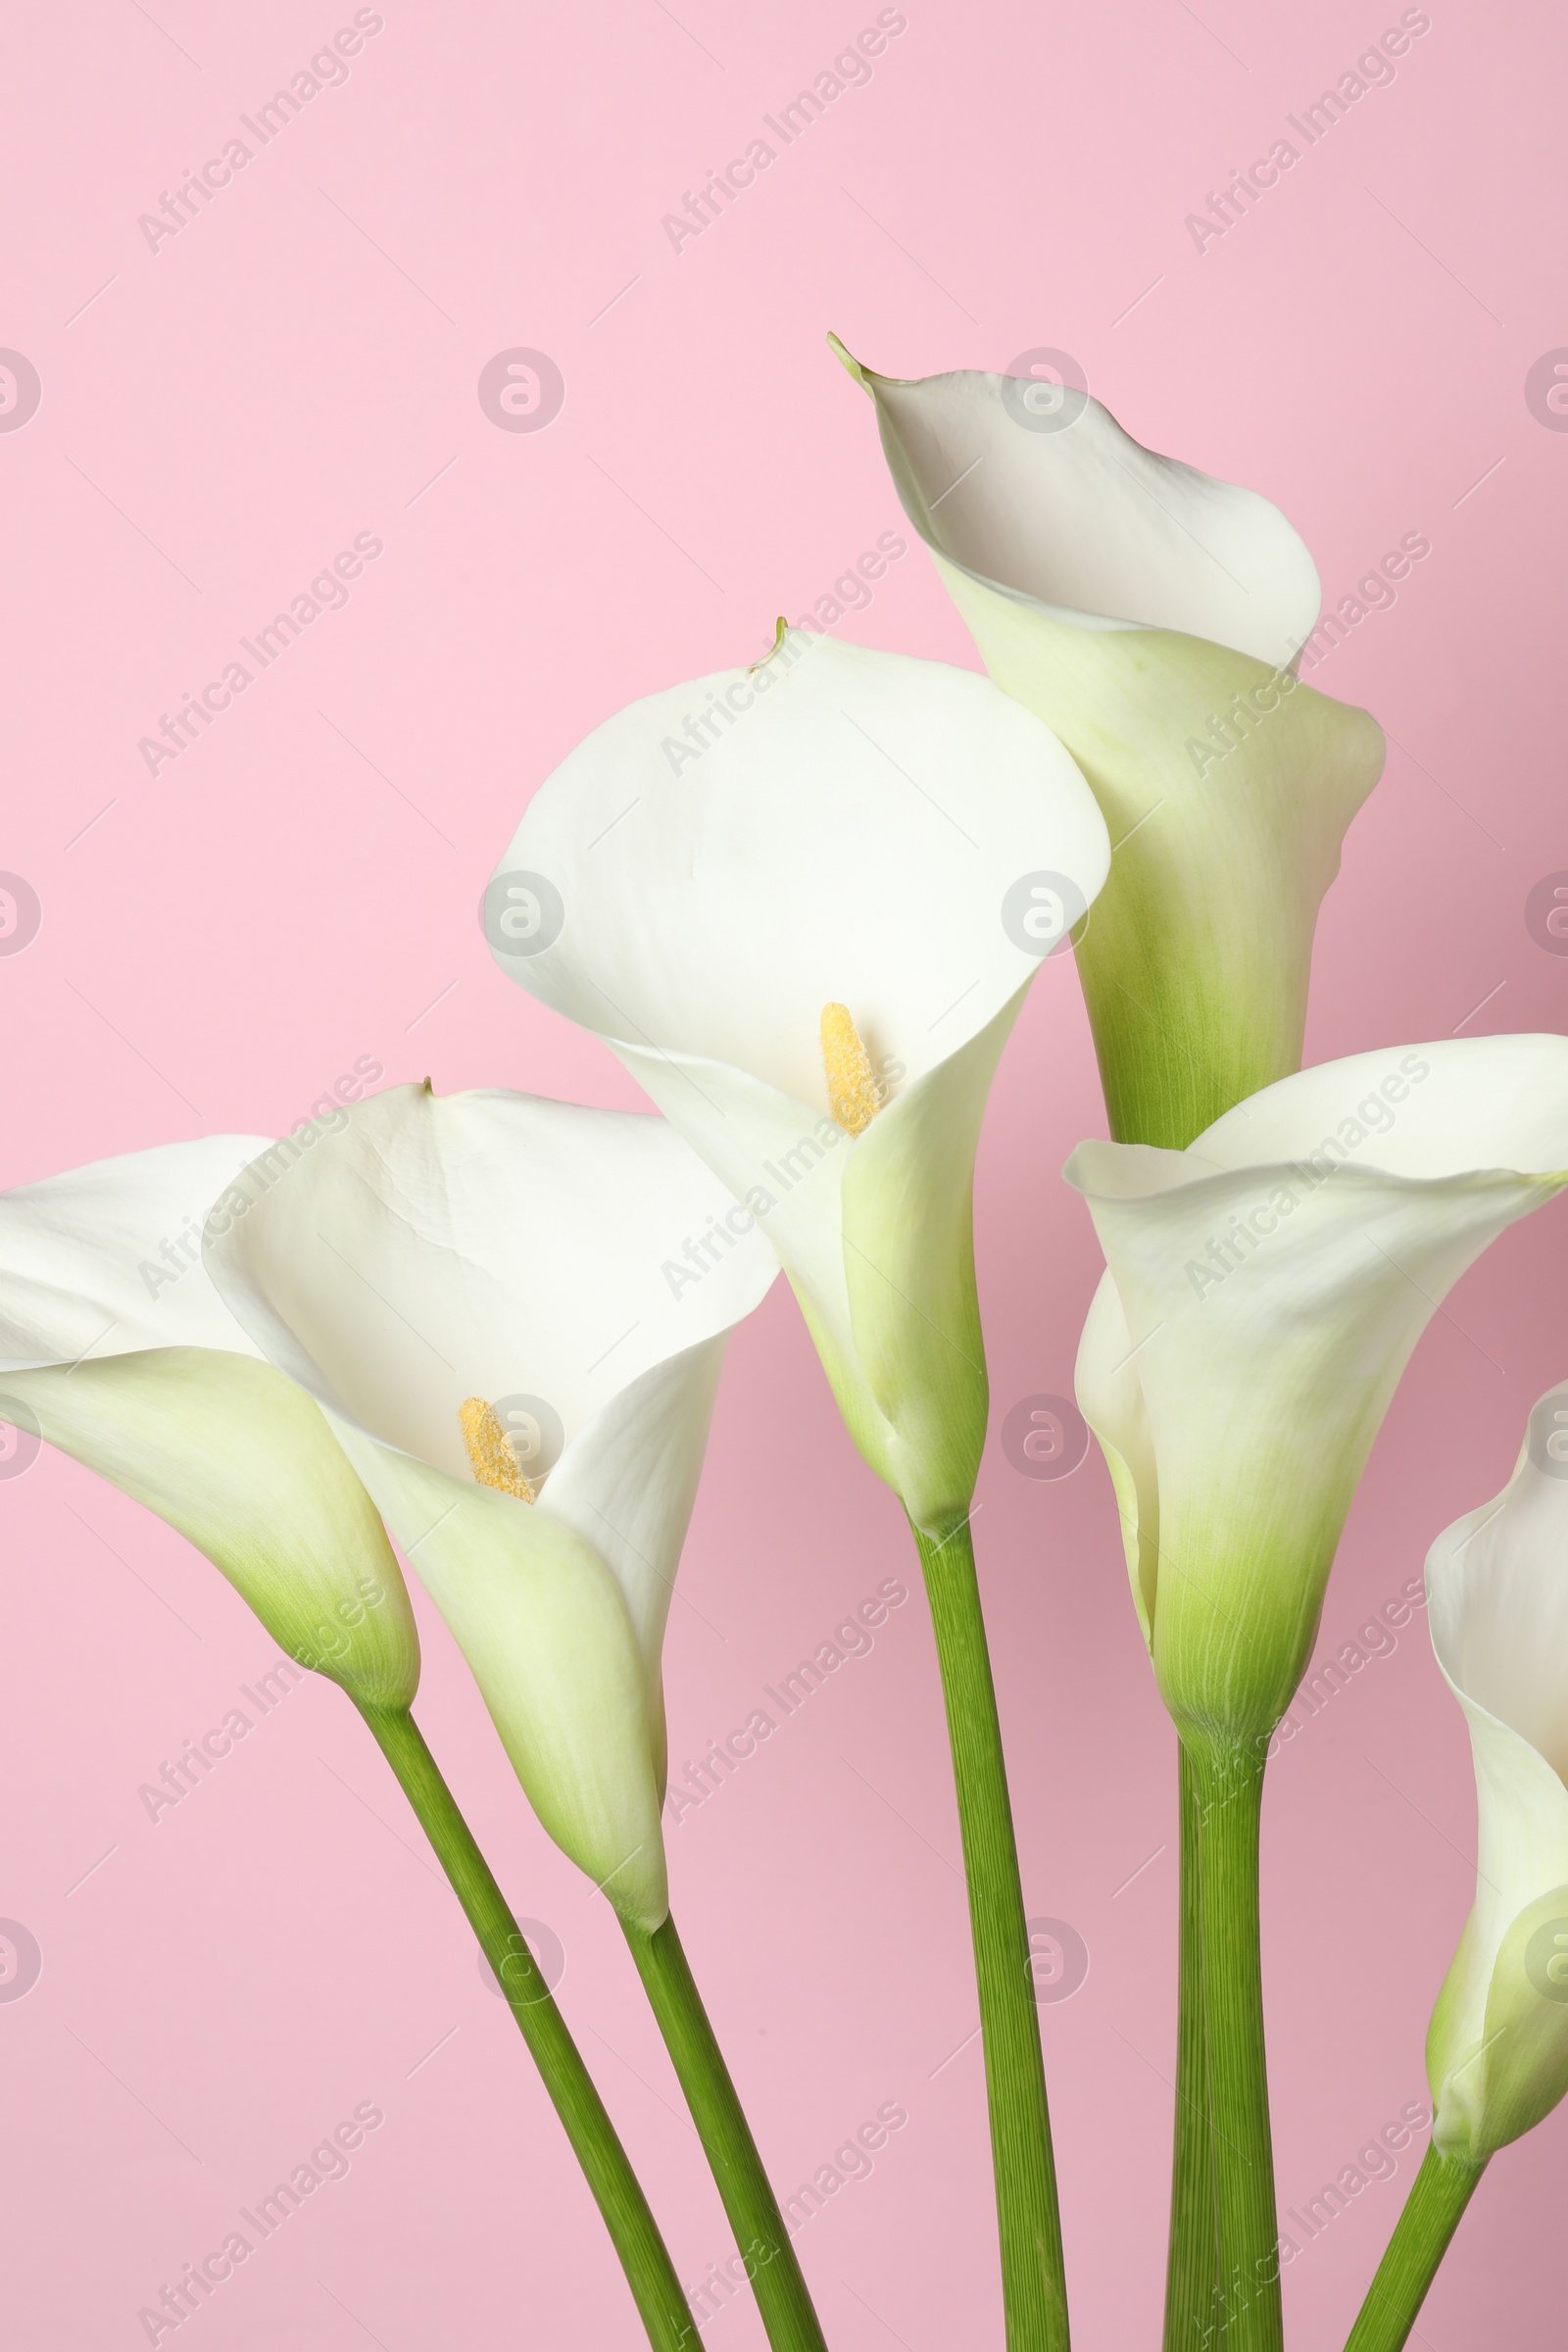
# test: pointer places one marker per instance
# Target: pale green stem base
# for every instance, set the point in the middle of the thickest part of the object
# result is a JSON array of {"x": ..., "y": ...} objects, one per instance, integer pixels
[
  {"x": 1227, "y": 1791},
  {"x": 1028, "y": 2221},
  {"x": 1433, "y": 2212},
  {"x": 650, "y": 2273},
  {"x": 1193, "y": 2274},
  {"x": 749, "y": 2200}
]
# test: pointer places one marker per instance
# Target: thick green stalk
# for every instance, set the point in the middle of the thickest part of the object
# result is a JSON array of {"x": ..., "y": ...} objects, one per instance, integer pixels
[
  {"x": 1433, "y": 2211},
  {"x": 650, "y": 2273},
  {"x": 1155, "y": 1094},
  {"x": 1193, "y": 2274},
  {"x": 1227, "y": 1789},
  {"x": 763, "y": 2242},
  {"x": 1028, "y": 2221}
]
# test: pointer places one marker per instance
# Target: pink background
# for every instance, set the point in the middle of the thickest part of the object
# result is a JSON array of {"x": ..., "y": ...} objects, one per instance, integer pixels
[{"x": 221, "y": 941}]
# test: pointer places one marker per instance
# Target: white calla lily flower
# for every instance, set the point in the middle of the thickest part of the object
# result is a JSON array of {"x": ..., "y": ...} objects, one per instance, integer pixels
[
  {"x": 1497, "y": 1596},
  {"x": 809, "y": 940},
  {"x": 1266, "y": 1289},
  {"x": 1152, "y": 615},
  {"x": 476, "y": 1288},
  {"x": 114, "y": 1342}
]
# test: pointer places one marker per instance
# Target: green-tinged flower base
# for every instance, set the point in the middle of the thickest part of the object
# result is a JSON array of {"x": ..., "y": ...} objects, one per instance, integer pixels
[
  {"x": 1433, "y": 2212},
  {"x": 1193, "y": 2271},
  {"x": 1197, "y": 954},
  {"x": 1226, "y": 1795},
  {"x": 763, "y": 2242},
  {"x": 650, "y": 2273},
  {"x": 1028, "y": 2221}
]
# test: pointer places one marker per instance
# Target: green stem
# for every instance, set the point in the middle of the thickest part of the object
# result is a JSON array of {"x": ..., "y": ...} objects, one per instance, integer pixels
[
  {"x": 1433, "y": 2211},
  {"x": 1193, "y": 2274},
  {"x": 650, "y": 2273},
  {"x": 766, "y": 2251},
  {"x": 1028, "y": 2221},
  {"x": 1227, "y": 1791}
]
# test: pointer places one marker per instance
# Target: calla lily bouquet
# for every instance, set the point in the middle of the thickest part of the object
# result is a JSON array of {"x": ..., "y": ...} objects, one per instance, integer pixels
[{"x": 473, "y": 1342}]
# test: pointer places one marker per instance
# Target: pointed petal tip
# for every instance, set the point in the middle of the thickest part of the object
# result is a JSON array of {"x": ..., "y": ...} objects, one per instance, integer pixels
[
  {"x": 848, "y": 362},
  {"x": 781, "y": 629}
]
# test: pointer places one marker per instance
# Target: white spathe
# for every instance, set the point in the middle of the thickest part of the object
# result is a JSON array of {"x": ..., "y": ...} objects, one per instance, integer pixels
[
  {"x": 497, "y": 1246},
  {"x": 1264, "y": 1291},
  {"x": 1497, "y": 1597},
  {"x": 113, "y": 1338},
  {"x": 834, "y": 826},
  {"x": 1152, "y": 615},
  {"x": 1066, "y": 511}
]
